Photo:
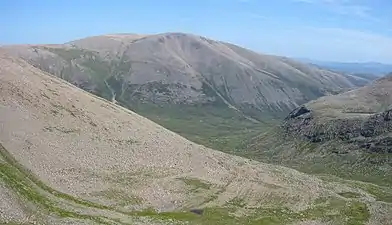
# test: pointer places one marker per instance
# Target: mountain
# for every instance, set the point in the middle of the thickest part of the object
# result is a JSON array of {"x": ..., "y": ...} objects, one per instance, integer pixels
[
  {"x": 211, "y": 92},
  {"x": 368, "y": 69},
  {"x": 69, "y": 157},
  {"x": 183, "y": 68},
  {"x": 348, "y": 135}
]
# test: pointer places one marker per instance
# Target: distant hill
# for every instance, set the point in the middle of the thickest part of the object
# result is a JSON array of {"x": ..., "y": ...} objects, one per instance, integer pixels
[
  {"x": 210, "y": 91},
  {"x": 366, "y": 70},
  {"x": 183, "y": 69}
]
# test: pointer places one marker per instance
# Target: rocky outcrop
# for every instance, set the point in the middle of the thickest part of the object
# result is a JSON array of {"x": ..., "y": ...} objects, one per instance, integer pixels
[
  {"x": 300, "y": 111},
  {"x": 368, "y": 132}
]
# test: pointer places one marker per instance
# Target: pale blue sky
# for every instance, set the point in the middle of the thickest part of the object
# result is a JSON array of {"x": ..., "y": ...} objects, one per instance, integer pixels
[{"x": 337, "y": 30}]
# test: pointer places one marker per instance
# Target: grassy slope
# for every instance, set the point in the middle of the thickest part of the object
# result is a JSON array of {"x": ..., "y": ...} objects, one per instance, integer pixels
[
  {"x": 217, "y": 127},
  {"x": 366, "y": 170}
]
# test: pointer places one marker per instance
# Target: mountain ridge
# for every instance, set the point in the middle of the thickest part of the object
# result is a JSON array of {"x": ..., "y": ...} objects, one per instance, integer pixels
[{"x": 179, "y": 46}]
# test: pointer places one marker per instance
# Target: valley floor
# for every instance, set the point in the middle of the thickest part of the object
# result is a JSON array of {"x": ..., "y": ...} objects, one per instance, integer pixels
[{"x": 217, "y": 127}]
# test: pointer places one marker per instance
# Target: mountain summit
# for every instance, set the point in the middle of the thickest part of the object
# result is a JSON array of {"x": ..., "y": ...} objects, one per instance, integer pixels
[{"x": 178, "y": 68}]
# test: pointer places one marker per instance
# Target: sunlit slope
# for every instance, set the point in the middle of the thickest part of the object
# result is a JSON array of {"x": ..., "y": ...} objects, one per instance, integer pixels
[{"x": 68, "y": 156}]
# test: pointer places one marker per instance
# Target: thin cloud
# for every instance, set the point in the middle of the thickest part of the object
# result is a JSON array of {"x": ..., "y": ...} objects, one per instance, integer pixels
[
  {"x": 344, "y": 7},
  {"x": 360, "y": 11},
  {"x": 341, "y": 44}
]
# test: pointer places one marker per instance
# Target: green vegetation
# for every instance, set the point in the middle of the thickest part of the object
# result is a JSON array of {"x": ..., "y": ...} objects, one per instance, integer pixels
[
  {"x": 214, "y": 126},
  {"x": 68, "y": 53},
  {"x": 383, "y": 194},
  {"x": 336, "y": 210},
  {"x": 334, "y": 158},
  {"x": 238, "y": 202},
  {"x": 349, "y": 194},
  {"x": 21, "y": 184},
  {"x": 121, "y": 198},
  {"x": 100, "y": 70},
  {"x": 327, "y": 209},
  {"x": 380, "y": 193},
  {"x": 16, "y": 170},
  {"x": 195, "y": 183}
]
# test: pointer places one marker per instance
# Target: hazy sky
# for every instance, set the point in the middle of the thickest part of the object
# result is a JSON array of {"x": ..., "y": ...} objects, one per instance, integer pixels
[{"x": 337, "y": 30}]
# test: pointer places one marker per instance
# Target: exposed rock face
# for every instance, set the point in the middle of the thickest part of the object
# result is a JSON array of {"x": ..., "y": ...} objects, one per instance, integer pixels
[
  {"x": 387, "y": 115},
  {"x": 300, "y": 111},
  {"x": 361, "y": 117},
  {"x": 366, "y": 132},
  {"x": 348, "y": 135}
]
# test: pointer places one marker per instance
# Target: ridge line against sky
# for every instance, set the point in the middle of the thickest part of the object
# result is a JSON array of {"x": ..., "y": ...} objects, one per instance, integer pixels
[{"x": 332, "y": 30}]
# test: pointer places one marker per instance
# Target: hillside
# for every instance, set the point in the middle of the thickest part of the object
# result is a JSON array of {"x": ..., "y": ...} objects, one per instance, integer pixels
[
  {"x": 211, "y": 92},
  {"x": 68, "y": 157},
  {"x": 348, "y": 135}
]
